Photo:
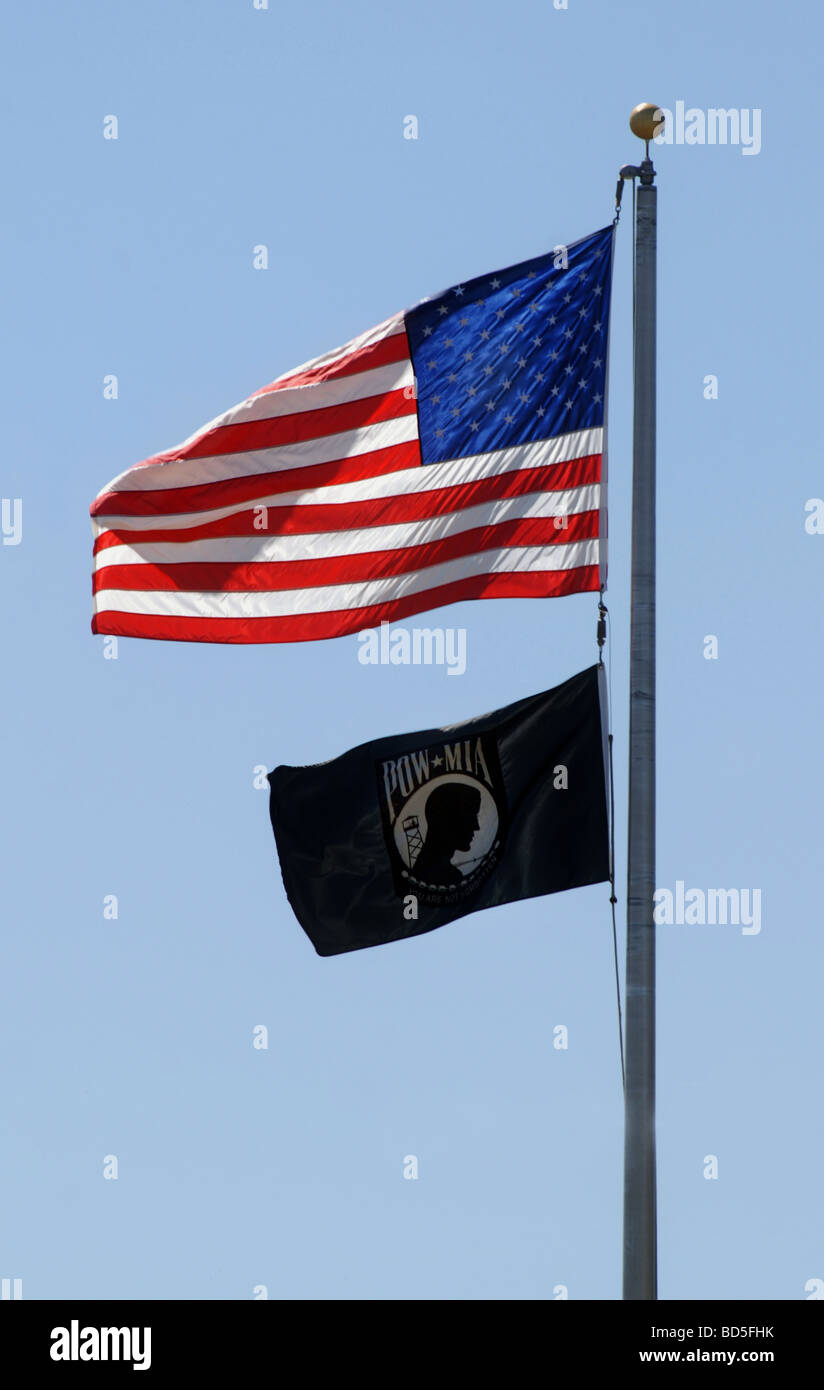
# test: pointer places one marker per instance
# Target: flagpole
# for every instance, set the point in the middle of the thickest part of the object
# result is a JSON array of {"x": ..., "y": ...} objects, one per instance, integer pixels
[{"x": 640, "y": 1223}]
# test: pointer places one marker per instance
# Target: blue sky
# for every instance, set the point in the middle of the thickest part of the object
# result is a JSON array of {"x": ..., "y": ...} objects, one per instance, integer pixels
[{"x": 283, "y": 1167}]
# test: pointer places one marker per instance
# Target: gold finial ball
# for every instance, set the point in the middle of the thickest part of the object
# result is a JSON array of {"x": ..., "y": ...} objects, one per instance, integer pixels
[{"x": 646, "y": 121}]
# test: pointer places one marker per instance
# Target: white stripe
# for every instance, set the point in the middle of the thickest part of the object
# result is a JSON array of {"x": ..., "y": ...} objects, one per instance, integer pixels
[
  {"x": 331, "y": 598},
  {"x": 216, "y": 468},
  {"x": 422, "y": 478},
  {"x": 402, "y": 536},
  {"x": 319, "y": 395},
  {"x": 388, "y": 329}
]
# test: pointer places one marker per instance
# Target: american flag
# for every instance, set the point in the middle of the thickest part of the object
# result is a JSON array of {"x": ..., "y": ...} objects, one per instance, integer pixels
[{"x": 453, "y": 452}]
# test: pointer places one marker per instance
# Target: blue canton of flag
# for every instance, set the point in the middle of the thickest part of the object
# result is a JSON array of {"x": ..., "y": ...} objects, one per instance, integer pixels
[{"x": 514, "y": 357}]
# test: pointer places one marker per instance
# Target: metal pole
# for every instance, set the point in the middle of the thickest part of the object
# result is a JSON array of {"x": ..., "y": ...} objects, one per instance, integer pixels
[{"x": 640, "y": 1233}]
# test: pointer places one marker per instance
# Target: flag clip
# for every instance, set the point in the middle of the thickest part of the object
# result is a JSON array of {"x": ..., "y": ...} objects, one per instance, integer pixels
[{"x": 601, "y": 630}]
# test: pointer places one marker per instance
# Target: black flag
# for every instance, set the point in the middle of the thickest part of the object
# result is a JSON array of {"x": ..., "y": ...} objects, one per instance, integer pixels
[{"x": 406, "y": 833}]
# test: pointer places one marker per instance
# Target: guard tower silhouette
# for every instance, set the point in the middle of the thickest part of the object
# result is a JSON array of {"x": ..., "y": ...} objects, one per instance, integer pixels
[{"x": 414, "y": 839}]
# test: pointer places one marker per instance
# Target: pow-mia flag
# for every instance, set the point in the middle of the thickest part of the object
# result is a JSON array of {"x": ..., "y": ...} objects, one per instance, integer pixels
[{"x": 404, "y": 834}]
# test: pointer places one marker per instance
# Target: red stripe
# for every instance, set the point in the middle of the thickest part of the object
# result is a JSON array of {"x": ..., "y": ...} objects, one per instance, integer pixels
[
  {"x": 265, "y": 576},
  {"x": 379, "y": 354},
  {"x": 376, "y": 511},
  {"x": 247, "y": 436},
  {"x": 206, "y": 496},
  {"x": 316, "y": 626}
]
